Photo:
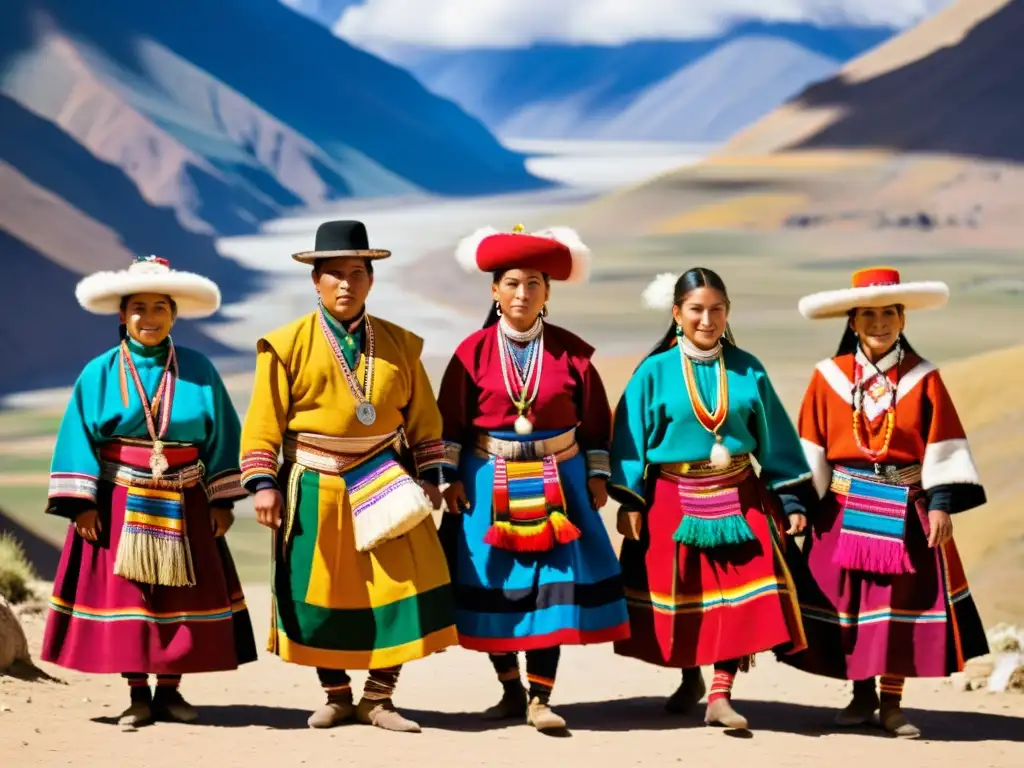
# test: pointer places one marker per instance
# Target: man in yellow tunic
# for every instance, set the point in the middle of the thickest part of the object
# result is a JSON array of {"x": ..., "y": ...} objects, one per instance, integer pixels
[{"x": 360, "y": 579}]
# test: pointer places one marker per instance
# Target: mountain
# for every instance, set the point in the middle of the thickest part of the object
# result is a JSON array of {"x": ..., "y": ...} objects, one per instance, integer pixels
[
  {"x": 229, "y": 111},
  {"x": 48, "y": 239},
  {"x": 575, "y": 91},
  {"x": 692, "y": 105},
  {"x": 917, "y": 140}
]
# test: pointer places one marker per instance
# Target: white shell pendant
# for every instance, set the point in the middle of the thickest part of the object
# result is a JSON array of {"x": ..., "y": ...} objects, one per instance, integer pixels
[
  {"x": 158, "y": 463},
  {"x": 523, "y": 425},
  {"x": 720, "y": 455}
]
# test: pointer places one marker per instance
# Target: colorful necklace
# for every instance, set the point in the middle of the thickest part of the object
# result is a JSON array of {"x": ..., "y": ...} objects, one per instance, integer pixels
[
  {"x": 720, "y": 457},
  {"x": 365, "y": 411},
  {"x": 161, "y": 403},
  {"x": 858, "y": 408},
  {"x": 534, "y": 369}
]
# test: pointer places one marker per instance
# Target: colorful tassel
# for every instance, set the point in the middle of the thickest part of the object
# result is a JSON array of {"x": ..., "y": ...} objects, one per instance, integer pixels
[
  {"x": 873, "y": 525},
  {"x": 153, "y": 547},
  {"x": 711, "y": 519},
  {"x": 529, "y": 507}
]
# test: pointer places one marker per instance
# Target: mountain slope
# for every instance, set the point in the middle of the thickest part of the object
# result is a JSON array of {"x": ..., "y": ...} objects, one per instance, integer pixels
[
  {"x": 565, "y": 91},
  {"x": 694, "y": 105},
  {"x": 230, "y": 111},
  {"x": 48, "y": 240}
]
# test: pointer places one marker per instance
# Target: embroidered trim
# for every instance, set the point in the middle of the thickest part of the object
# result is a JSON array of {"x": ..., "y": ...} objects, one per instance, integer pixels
[
  {"x": 430, "y": 454},
  {"x": 72, "y": 485},
  {"x": 452, "y": 455},
  {"x": 599, "y": 464},
  {"x": 226, "y": 485},
  {"x": 259, "y": 463}
]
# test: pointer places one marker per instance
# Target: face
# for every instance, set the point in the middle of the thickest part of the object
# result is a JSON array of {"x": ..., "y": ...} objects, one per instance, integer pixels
[
  {"x": 702, "y": 314},
  {"x": 878, "y": 328},
  {"x": 148, "y": 317},
  {"x": 343, "y": 284},
  {"x": 521, "y": 294}
]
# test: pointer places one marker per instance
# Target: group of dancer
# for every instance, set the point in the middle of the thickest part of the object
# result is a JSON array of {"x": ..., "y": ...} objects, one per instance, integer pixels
[{"x": 828, "y": 543}]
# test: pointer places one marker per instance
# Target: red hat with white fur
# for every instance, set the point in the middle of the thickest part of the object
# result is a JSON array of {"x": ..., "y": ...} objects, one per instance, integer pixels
[{"x": 558, "y": 252}]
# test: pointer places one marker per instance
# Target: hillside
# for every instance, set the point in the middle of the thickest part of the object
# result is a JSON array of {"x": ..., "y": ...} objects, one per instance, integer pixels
[
  {"x": 554, "y": 90},
  {"x": 229, "y": 111},
  {"x": 918, "y": 140}
]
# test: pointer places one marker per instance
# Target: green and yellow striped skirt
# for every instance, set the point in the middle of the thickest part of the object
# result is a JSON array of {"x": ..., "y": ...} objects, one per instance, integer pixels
[{"x": 340, "y": 608}]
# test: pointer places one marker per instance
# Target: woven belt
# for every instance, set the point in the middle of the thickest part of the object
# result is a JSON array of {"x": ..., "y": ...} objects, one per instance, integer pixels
[
  {"x": 887, "y": 474},
  {"x": 701, "y": 469},
  {"x": 333, "y": 455},
  {"x": 136, "y": 477},
  {"x": 563, "y": 447}
]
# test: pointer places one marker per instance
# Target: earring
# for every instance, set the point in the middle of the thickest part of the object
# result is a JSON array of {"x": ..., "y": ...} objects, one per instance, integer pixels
[
  {"x": 544, "y": 311},
  {"x": 497, "y": 309},
  {"x": 679, "y": 330}
]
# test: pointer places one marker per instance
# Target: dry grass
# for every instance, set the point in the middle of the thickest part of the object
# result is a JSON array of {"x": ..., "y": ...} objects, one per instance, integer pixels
[{"x": 16, "y": 572}]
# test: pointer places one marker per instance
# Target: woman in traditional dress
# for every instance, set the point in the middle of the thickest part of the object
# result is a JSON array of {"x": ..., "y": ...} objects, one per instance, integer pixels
[
  {"x": 702, "y": 560},
  {"x": 527, "y": 425},
  {"x": 146, "y": 468},
  {"x": 882, "y": 589}
]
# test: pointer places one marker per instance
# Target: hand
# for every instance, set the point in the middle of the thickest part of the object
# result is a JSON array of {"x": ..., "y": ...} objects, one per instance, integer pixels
[
  {"x": 629, "y": 523},
  {"x": 940, "y": 527},
  {"x": 598, "y": 487},
  {"x": 432, "y": 493},
  {"x": 222, "y": 519},
  {"x": 87, "y": 525},
  {"x": 268, "y": 504},
  {"x": 797, "y": 524},
  {"x": 455, "y": 498}
]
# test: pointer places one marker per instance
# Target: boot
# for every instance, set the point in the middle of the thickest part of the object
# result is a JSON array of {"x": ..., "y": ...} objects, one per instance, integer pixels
[
  {"x": 511, "y": 706},
  {"x": 720, "y": 712},
  {"x": 382, "y": 713},
  {"x": 138, "y": 714},
  {"x": 689, "y": 693},
  {"x": 895, "y": 722},
  {"x": 859, "y": 711},
  {"x": 168, "y": 704},
  {"x": 334, "y": 712},
  {"x": 541, "y": 716}
]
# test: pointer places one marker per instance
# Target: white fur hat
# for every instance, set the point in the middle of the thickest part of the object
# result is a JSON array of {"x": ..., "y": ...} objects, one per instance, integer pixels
[{"x": 874, "y": 287}]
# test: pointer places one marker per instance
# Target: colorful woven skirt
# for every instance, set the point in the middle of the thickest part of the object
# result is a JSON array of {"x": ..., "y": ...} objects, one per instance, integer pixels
[
  {"x": 693, "y": 604},
  {"x": 570, "y": 594},
  {"x": 861, "y": 624},
  {"x": 340, "y": 608},
  {"x": 103, "y": 623}
]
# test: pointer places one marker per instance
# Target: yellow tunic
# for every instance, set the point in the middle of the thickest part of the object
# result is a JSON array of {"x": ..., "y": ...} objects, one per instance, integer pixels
[{"x": 337, "y": 607}]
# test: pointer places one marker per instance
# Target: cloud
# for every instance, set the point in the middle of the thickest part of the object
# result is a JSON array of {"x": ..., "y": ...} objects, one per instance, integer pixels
[{"x": 513, "y": 23}]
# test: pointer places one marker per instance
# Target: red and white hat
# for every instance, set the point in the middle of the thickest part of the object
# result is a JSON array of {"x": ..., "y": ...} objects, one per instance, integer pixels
[
  {"x": 558, "y": 252},
  {"x": 874, "y": 287}
]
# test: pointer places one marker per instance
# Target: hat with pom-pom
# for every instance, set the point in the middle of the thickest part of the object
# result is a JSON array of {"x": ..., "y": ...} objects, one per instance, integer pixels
[
  {"x": 558, "y": 252},
  {"x": 194, "y": 295}
]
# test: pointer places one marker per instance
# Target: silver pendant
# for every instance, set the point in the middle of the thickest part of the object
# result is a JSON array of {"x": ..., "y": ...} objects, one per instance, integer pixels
[{"x": 366, "y": 413}]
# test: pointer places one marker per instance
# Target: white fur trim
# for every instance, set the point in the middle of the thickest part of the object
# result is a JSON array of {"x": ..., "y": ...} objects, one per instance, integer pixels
[
  {"x": 948, "y": 462},
  {"x": 836, "y": 379},
  {"x": 821, "y": 470},
  {"x": 195, "y": 296},
  {"x": 828, "y": 304},
  {"x": 912, "y": 378},
  {"x": 579, "y": 252},
  {"x": 660, "y": 293},
  {"x": 465, "y": 251}
]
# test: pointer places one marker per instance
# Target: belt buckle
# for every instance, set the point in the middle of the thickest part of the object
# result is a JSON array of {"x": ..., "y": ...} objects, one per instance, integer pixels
[{"x": 887, "y": 471}]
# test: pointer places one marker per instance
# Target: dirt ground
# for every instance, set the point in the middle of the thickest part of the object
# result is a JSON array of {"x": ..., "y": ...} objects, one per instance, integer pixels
[{"x": 257, "y": 716}]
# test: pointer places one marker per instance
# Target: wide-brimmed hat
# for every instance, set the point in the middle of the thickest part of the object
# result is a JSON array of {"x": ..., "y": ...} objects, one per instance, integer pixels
[
  {"x": 336, "y": 239},
  {"x": 874, "y": 287},
  {"x": 558, "y": 252},
  {"x": 195, "y": 296}
]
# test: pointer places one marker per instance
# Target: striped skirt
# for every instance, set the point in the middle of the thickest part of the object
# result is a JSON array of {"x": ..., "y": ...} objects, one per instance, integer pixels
[
  {"x": 100, "y": 622},
  {"x": 340, "y": 608},
  {"x": 861, "y": 625},
  {"x": 691, "y": 606},
  {"x": 570, "y": 594}
]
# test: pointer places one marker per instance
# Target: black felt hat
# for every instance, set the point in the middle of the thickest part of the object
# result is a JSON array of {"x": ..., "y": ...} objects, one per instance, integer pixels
[{"x": 341, "y": 238}]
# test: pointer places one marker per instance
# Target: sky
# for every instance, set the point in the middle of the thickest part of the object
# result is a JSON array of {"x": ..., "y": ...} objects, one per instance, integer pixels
[{"x": 515, "y": 23}]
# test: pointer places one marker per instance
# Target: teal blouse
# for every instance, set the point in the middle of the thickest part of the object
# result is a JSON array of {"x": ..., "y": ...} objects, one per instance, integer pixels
[
  {"x": 202, "y": 415},
  {"x": 655, "y": 422}
]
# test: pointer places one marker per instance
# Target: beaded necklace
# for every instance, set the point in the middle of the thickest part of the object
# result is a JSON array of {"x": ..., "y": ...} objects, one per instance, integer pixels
[
  {"x": 858, "y": 407},
  {"x": 711, "y": 421},
  {"x": 534, "y": 367}
]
